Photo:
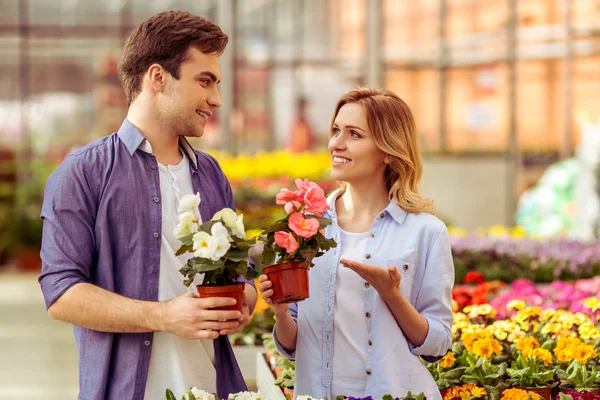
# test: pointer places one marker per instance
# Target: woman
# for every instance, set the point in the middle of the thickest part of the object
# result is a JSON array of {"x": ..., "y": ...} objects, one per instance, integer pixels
[{"x": 383, "y": 296}]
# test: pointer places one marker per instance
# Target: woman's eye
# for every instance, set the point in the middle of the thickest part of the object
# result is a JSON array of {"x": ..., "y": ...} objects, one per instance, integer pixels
[
  {"x": 354, "y": 134},
  {"x": 335, "y": 131}
]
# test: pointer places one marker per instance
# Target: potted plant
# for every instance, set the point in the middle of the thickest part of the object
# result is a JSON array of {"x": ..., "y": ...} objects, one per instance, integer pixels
[
  {"x": 220, "y": 251},
  {"x": 445, "y": 373},
  {"x": 533, "y": 369},
  {"x": 295, "y": 240},
  {"x": 480, "y": 346},
  {"x": 577, "y": 377},
  {"x": 519, "y": 394}
]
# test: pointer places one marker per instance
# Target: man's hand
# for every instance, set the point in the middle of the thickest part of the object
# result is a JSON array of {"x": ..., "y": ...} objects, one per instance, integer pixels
[
  {"x": 243, "y": 320},
  {"x": 191, "y": 317}
]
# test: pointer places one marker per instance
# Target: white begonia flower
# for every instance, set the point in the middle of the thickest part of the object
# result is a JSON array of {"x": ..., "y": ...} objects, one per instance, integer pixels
[
  {"x": 239, "y": 230},
  {"x": 202, "y": 245},
  {"x": 219, "y": 229},
  {"x": 189, "y": 202},
  {"x": 244, "y": 396},
  {"x": 218, "y": 247},
  {"x": 186, "y": 222},
  {"x": 202, "y": 395},
  {"x": 227, "y": 215}
]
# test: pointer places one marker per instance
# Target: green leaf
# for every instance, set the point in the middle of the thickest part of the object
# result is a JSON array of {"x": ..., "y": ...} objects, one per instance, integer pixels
[
  {"x": 278, "y": 226},
  {"x": 237, "y": 255},
  {"x": 170, "y": 395},
  {"x": 184, "y": 249},
  {"x": 386, "y": 397},
  {"x": 191, "y": 395},
  {"x": 202, "y": 265}
]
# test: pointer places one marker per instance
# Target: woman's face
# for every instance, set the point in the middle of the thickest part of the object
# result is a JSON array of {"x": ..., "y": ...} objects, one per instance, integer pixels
[{"x": 355, "y": 157}]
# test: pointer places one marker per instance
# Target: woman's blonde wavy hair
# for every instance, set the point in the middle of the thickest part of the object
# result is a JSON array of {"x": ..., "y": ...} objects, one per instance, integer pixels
[{"x": 393, "y": 128}]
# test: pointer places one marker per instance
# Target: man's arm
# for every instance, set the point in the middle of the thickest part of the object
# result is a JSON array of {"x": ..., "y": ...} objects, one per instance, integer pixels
[
  {"x": 68, "y": 244},
  {"x": 186, "y": 316}
]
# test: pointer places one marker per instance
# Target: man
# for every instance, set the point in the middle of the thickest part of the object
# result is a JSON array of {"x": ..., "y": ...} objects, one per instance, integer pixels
[{"x": 109, "y": 211}]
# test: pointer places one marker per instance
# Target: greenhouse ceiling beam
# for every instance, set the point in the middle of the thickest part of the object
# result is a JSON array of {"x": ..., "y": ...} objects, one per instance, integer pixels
[
  {"x": 226, "y": 21},
  {"x": 373, "y": 54}
]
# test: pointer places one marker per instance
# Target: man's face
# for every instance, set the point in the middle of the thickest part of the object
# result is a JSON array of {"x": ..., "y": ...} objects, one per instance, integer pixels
[{"x": 188, "y": 102}]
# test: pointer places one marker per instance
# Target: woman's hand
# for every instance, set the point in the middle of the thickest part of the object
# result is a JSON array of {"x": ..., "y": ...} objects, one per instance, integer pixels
[
  {"x": 385, "y": 281},
  {"x": 265, "y": 288}
]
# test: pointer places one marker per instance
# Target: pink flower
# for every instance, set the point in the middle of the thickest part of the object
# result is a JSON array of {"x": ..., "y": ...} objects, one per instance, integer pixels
[
  {"x": 315, "y": 201},
  {"x": 287, "y": 241},
  {"x": 285, "y": 196},
  {"x": 303, "y": 227},
  {"x": 289, "y": 207},
  {"x": 304, "y": 186}
]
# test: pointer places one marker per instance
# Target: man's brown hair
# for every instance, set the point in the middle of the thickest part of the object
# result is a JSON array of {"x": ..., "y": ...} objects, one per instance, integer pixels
[{"x": 165, "y": 39}]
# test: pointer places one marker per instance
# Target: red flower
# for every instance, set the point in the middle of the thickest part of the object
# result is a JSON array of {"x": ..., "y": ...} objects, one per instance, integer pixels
[{"x": 474, "y": 277}]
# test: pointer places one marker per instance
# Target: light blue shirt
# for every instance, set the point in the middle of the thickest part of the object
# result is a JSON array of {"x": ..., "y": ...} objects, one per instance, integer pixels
[{"x": 418, "y": 245}]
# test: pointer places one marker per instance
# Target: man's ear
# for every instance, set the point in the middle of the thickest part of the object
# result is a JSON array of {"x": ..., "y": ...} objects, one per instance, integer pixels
[{"x": 157, "y": 76}]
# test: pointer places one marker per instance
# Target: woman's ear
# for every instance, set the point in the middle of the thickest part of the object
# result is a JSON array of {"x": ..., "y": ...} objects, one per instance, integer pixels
[{"x": 386, "y": 159}]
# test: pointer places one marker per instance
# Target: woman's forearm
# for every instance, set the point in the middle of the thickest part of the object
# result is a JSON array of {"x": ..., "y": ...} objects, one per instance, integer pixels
[
  {"x": 412, "y": 323},
  {"x": 286, "y": 330}
]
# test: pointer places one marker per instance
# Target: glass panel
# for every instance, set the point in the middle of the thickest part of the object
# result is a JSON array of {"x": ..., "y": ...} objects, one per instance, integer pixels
[
  {"x": 477, "y": 108},
  {"x": 348, "y": 21},
  {"x": 9, "y": 12},
  {"x": 420, "y": 90}
]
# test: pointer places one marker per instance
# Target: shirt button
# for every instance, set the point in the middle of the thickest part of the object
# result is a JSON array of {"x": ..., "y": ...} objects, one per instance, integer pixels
[
  {"x": 153, "y": 167},
  {"x": 367, "y": 256},
  {"x": 147, "y": 343},
  {"x": 155, "y": 234},
  {"x": 154, "y": 270},
  {"x": 370, "y": 343},
  {"x": 368, "y": 372},
  {"x": 381, "y": 215},
  {"x": 156, "y": 199},
  {"x": 405, "y": 268},
  {"x": 367, "y": 285},
  {"x": 372, "y": 235},
  {"x": 368, "y": 315}
]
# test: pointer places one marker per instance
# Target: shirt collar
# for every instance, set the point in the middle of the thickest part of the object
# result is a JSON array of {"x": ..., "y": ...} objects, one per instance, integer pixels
[
  {"x": 393, "y": 209},
  {"x": 134, "y": 140}
]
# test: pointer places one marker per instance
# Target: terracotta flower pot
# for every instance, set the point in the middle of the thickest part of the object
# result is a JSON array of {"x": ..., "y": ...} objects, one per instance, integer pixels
[
  {"x": 544, "y": 392},
  {"x": 289, "y": 394},
  {"x": 290, "y": 282},
  {"x": 236, "y": 291}
]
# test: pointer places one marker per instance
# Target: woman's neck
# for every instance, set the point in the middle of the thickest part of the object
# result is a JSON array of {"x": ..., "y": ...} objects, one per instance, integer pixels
[{"x": 357, "y": 207}]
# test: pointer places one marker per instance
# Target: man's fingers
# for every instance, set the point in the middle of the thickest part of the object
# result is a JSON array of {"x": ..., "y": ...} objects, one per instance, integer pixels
[
  {"x": 214, "y": 302},
  {"x": 207, "y": 334},
  {"x": 221, "y": 315},
  {"x": 217, "y": 326}
]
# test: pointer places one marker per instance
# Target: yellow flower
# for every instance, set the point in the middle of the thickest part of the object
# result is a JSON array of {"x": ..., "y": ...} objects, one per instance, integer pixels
[
  {"x": 518, "y": 394},
  {"x": 486, "y": 347},
  {"x": 448, "y": 360},
  {"x": 583, "y": 353},
  {"x": 515, "y": 305},
  {"x": 457, "y": 232},
  {"x": 484, "y": 310},
  {"x": 588, "y": 331},
  {"x": 454, "y": 306},
  {"x": 515, "y": 336},
  {"x": 547, "y": 314},
  {"x": 518, "y": 232},
  {"x": 544, "y": 355},
  {"x": 528, "y": 342},
  {"x": 593, "y": 303}
]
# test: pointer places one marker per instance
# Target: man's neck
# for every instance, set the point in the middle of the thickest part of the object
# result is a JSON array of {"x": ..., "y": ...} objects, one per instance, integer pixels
[{"x": 165, "y": 147}]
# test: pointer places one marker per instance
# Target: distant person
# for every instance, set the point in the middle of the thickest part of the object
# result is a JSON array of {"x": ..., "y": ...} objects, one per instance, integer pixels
[{"x": 302, "y": 137}]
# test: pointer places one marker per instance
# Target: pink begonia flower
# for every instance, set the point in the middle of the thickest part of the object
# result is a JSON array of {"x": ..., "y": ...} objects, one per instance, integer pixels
[
  {"x": 287, "y": 241},
  {"x": 315, "y": 201},
  {"x": 285, "y": 196},
  {"x": 290, "y": 206},
  {"x": 303, "y": 186},
  {"x": 303, "y": 227}
]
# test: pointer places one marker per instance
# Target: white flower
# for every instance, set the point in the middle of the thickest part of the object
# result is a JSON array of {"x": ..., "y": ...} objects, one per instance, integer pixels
[
  {"x": 186, "y": 222},
  {"x": 239, "y": 229},
  {"x": 202, "y": 395},
  {"x": 306, "y": 398},
  {"x": 232, "y": 221},
  {"x": 189, "y": 202},
  {"x": 244, "y": 396},
  {"x": 219, "y": 230},
  {"x": 218, "y": 247},
  {"x": 227, "y": 215},
  {"x": 202, "y": 244}
]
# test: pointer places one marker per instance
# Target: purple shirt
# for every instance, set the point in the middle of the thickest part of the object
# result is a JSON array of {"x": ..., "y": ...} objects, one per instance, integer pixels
[{"x": 102, "y": 225}]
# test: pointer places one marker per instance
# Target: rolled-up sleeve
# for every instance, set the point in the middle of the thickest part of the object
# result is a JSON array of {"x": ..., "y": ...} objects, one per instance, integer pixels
[
  {"x": 434, "y": 300},
  {"x": 68, "y": 214},
  {"x": 294, "y": 313}
]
